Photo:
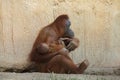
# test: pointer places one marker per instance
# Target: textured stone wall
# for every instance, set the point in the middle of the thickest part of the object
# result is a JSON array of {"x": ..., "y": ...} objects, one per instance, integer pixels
[{"x": 95, "y": 22}]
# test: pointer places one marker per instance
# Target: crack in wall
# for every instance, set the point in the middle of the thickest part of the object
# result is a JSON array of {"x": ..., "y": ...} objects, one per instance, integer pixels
[
  {"x": 53, "y": 10},
  {"x": 1, "y": 21},
  {"x": 12, "y": 36},
  {"x": 53, "y": 14}
]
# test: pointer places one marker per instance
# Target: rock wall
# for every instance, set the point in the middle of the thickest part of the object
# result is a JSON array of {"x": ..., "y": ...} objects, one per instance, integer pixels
[{"x": 95, "y": 22}]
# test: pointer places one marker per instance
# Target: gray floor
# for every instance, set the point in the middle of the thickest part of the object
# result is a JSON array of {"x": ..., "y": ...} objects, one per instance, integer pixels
[{"x": 51, "y": 76}]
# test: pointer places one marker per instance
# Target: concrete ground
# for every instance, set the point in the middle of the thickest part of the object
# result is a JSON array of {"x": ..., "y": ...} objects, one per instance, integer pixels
[
  {"x": 90, "y": 74},
  {"x": 52, "y": 76}
]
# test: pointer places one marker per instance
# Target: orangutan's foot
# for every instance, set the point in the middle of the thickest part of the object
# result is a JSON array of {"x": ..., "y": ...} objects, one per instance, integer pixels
[{"x": 83, "y": 66}]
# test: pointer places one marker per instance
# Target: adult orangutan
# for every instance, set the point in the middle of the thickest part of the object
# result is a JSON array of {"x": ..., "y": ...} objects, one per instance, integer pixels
[{"x": 50, "y": 52}]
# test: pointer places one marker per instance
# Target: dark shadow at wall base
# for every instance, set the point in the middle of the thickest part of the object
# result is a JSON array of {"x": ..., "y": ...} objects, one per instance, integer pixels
[{"x": 89, "y": 71}]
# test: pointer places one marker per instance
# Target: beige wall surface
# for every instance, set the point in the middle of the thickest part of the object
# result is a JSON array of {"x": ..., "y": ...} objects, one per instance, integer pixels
[{"x": 95, "y": 22}]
